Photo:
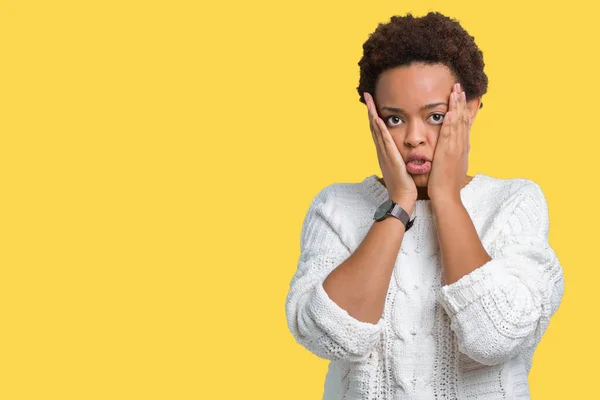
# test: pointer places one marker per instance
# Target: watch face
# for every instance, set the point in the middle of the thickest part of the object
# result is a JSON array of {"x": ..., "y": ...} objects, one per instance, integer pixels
[{"x": 383, "y": 209}]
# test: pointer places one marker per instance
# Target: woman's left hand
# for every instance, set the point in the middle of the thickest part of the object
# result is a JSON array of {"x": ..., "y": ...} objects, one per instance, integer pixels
[{"x": 450, "y": 160}]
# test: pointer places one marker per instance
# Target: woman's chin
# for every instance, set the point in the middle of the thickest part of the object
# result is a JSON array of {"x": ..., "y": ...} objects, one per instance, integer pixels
[{"x": 421, "y": 180}]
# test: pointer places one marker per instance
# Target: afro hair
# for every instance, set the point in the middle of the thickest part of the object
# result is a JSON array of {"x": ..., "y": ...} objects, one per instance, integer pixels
[{"x": 431, "y": 39}]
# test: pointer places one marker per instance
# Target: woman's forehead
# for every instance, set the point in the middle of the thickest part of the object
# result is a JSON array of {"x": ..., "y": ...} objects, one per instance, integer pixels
[{"x": 414, "y": 85}]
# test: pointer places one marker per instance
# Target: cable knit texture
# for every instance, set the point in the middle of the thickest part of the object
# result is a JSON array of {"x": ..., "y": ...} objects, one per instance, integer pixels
[{"x": 473, "y": 339}]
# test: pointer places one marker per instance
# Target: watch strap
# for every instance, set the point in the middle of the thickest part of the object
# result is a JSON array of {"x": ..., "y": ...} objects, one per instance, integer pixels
[
  {"x": 398, "y": 212},
  {"x": 409, "y": 224}
]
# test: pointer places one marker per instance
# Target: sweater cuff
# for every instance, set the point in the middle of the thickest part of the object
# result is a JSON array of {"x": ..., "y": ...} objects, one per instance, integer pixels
[
  {"x": 471, "y": 287},
  {"x": 356, "y": 336}
]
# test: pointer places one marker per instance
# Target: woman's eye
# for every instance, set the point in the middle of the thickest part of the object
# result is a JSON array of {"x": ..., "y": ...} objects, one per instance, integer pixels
[
  {"x": 393, "y": 120},
  {"x": 437, "y": 118}
]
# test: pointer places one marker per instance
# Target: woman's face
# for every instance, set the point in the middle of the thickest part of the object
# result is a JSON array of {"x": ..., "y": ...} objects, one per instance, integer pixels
[{"x": 412, "y": 101}]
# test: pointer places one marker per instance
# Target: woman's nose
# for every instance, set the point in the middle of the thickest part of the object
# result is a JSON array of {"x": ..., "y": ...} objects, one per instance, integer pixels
[{"x": 414, "y": 134}]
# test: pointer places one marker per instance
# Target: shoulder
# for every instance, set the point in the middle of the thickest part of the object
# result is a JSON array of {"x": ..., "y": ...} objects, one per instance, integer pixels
[
  {"x": 514, "y": 202},
  {"x": 343, "y": 207},
  {"x": 507, "y": 188},
  {"x": 505, "y": 194},
  {"x": 341, "y": 195}
]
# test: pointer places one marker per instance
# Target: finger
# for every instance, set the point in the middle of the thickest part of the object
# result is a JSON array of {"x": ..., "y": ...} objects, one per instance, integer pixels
[
  {"x": 379, "y": 137},
  {"x": 462, "y": 105},
  {"x": 457, "y": 133},
  {"x": 369, "y": 113},
  {"x": 446, "y": 129},
  {"x": 371, "y": 102},
  {"x": 455, "y": 129},
  {"x": 379, "y": 145},
  {"x": 375, "y": 130},
  {"x": 368, "y": 102},
  {"x": 390, "y": 146},
  {"x": 463, "y": 122},
  {"x": 371, "y": 107}
]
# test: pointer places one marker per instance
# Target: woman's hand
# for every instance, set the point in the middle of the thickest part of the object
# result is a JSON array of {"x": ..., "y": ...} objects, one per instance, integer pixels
[
  {"x": 400, "y": 185},
  {"x": 450, "y": 160}
]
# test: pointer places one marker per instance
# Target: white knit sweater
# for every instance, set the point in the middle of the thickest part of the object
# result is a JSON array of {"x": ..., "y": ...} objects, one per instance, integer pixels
[{"x": 473, "y": 339}]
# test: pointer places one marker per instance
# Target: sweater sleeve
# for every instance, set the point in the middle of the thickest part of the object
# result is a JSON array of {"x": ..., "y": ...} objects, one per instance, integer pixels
[
  {"x": 316, "y": 321},
  {"x": 504, "y": 306}
]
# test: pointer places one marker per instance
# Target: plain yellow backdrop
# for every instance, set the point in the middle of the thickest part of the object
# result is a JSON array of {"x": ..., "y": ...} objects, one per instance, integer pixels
[{"x": 157, "y": 159}]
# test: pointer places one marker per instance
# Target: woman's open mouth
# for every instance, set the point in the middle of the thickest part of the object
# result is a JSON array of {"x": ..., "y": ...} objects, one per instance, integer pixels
[{"x": 417, "y": 167}]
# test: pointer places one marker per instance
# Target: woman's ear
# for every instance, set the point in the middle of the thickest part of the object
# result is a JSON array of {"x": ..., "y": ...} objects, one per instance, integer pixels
[{"x": 473, "y": 107}]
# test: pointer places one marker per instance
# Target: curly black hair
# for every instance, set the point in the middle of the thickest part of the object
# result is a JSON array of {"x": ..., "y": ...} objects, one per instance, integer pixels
[{"x": 431, "y": 39}]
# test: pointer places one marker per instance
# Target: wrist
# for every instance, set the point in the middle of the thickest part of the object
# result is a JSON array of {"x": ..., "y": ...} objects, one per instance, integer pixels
[
  {"x": 408, "y": 204},
  {"x": 445, "y": 202}
]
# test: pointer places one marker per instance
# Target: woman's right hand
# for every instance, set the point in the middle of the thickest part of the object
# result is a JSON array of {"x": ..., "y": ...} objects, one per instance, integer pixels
[{"x": 400, "y": 184}]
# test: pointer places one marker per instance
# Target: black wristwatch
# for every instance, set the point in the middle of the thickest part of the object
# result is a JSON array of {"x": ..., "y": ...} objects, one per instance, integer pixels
[{"x": 388, "y": 208}]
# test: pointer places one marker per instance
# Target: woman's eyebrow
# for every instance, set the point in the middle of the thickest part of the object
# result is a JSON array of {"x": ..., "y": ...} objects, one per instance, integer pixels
[{"x": 425, "y": 107}]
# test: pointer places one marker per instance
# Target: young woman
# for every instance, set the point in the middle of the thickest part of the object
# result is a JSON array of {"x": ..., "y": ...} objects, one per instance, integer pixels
[{"x": 452, "y": 302}]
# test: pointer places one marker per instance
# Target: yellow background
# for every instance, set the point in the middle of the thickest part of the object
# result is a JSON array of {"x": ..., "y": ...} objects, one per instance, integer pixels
[{"x": 158, "y": 158}]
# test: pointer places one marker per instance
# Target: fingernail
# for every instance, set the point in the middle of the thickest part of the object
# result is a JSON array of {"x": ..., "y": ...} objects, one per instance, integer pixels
[{"x": 459, "y": 88}]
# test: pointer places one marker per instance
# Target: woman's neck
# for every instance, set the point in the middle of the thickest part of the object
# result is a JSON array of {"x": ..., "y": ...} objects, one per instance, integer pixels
[{"x": 422, "y": 191}]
